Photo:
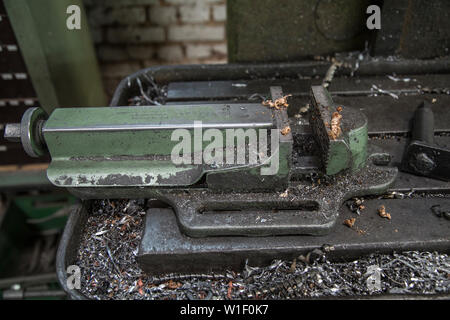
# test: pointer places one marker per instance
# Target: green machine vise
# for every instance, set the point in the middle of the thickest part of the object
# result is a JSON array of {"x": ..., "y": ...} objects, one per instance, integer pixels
[{"x": 192, "y": 157}]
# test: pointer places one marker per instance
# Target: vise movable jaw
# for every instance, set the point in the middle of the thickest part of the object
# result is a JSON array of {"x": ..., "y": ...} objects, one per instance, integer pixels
[
  {"x": 138, "y": 147},
  {"x": 134, "y": 147},
  {"x": 128, "y": 152}
]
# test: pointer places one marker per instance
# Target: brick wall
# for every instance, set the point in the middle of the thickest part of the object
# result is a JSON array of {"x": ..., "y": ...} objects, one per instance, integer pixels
[{"x": 133, "y": 34}]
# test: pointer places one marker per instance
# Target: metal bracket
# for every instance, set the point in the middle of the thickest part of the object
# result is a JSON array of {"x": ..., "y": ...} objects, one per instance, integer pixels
[
  {"x": 304, "y": 208},
  {"x": 422, "y": 156}
]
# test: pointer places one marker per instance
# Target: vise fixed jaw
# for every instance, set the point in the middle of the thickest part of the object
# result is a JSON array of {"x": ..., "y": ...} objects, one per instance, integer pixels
[
  {"x": 341, "y": 133},
  {"x": 128, "y": 152}
]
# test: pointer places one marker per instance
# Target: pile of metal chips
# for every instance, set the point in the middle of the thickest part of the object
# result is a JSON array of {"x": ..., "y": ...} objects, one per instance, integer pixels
[
  {"x": 150, "y": 93},
  {"x": 109, "y": 246}
]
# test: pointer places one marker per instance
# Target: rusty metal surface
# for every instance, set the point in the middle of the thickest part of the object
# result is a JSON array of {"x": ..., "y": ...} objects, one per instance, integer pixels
[
  {"x": 298, "y": 28},
  {"x": 414, "y": 29}
]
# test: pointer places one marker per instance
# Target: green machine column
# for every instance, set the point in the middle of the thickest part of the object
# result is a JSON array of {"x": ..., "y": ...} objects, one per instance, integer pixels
[
  {"x": 61, "y": 62},
  {"x": 292, "y": 30}
]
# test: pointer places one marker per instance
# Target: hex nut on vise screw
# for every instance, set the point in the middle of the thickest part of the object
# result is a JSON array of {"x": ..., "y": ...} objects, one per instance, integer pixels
[{"x": 12, "y": 132}]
